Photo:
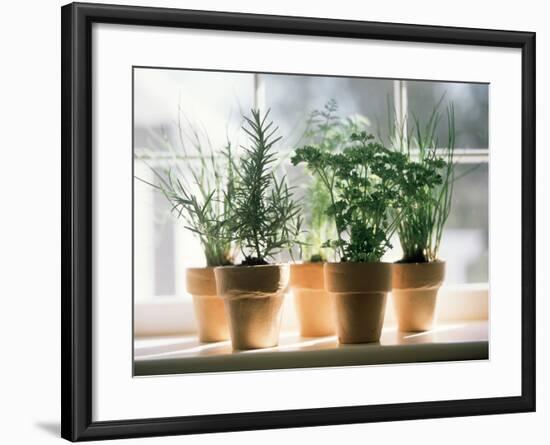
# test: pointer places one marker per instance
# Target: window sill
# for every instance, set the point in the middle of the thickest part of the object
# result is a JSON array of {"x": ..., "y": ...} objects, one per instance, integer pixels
[{"x": 467, "y": 340}]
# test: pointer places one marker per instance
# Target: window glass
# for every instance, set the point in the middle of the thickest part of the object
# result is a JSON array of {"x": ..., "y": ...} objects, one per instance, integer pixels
[
  {"x": 466, "y": 235},
  {"x": 165, "y": 102},
  {"x": 292, "y": 99},
  {"x": 471, "y": 106}
]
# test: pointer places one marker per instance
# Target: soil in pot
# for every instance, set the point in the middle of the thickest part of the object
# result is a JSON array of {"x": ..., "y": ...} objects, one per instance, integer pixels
[
  {"x": 209, "y": 308},
  {"x": 253, "y": 297},
  {"x": 415, "y": 288},
  {"x": 358, "y": 292},
  {"x": 312, "y": 301}
]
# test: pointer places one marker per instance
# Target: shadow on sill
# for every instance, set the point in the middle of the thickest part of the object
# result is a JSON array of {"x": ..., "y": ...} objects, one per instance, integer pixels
[{"x": 447, "y": 342}]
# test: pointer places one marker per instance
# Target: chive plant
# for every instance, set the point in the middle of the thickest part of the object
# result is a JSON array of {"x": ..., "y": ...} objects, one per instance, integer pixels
[
  {"x": 265, "y": 218},
  {"x": 428, "y": 203},
  {"x": 199, "y": 194}
]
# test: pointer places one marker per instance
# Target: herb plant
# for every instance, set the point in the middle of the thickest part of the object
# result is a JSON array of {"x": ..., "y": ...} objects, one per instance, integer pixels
[
  {"x": 265, "y": 219},
  {"x": 328, "y": 132},
  {"x": 364, "y": 184},
  {"x": 428, "y": 203},
  {"x": 323, "y": 126},
  {"x": 199, "y": 194}
]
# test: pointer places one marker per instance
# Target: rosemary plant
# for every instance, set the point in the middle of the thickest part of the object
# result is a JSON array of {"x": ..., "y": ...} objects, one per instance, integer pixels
[
  {"x": 199, "y": 194},
  {"x": 428, "y": 203},
  {"x": 265, "y": 219}
]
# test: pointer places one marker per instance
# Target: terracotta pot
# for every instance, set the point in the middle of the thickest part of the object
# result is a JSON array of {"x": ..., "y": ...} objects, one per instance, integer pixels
[
  {"x": 415, "y": 287},
  {"x": 312, "y": 301},
  {"x": 209, "y": 308},
  {"x": 253, "y": 297},
  {"x": 358, "y": 292}
]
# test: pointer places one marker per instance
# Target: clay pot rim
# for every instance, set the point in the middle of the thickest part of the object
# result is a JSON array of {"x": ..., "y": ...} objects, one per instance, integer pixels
[
  {"x": 357, "y": 262},
  {"x": 200, "y": 281},
  {"x": 418, "y": 276},
  {"x": 355, "y": 277},
  {"x": 438, "y": 261},
  {"x": 309, "y": 264},
  {"x": 298, "y": 263},
  {"x": 307, "y": 276},
  {"x": 243, "y": 266},
  {"x": 204, "y": 296},
  {"x": 263, "y": 278},
  {"x": 201, "y": 268}
]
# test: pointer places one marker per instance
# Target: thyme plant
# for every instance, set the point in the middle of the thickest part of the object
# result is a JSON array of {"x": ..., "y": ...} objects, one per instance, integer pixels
[
  {"x": 428, "y": 203},
  {"x": 265, "y": 219},
  {"x": 199, "y": 194}
]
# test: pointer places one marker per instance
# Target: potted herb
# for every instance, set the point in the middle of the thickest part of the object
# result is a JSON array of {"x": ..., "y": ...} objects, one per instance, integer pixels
[
  {"x": 201, "y": 197},
  {"x": 312, "y": 302},
  {"x": 265, "y": 220},
  {"x": 418, "y": 276},
  {"x": 363, "y": 183}
]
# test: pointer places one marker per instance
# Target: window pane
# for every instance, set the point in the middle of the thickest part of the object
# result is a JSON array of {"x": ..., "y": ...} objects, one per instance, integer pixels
[
  {"x": 465, "y": 243},
  {"x": 210, "y": 101},
  {"x": 166, "y": 101},
  {"x": 293, "y": 98},
  {"x": 471, "y": 105}
]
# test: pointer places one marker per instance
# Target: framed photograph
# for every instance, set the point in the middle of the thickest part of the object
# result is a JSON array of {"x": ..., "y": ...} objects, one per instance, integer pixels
[{"x": 278, "y": 222}]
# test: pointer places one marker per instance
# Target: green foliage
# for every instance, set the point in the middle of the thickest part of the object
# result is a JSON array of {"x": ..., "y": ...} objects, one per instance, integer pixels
[
  {"x": 428, "y": 203},
  {"x": 365, "y": 186},
  {"x": 322, "y": 131},
  {"x": 320, "y": 226},
  {"x": 204, "y": 201},
  {"x": 328, "y": 133},
  {"x": 265, "y": 218}
]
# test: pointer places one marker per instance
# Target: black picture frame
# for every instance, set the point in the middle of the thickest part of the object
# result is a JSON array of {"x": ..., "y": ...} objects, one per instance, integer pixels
[{"x": 76, "y": 246}]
